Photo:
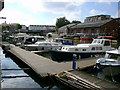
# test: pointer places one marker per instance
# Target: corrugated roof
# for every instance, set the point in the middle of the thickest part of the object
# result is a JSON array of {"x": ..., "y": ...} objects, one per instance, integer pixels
[
  {"x": 85, "y": 25},
  {"x": 69, "y": 26},
  {"x": 91, "y": 24}
]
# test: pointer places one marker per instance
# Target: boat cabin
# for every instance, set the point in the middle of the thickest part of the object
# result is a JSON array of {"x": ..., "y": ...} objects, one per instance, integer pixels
[
  {"x": 98, "y": 45},
  {"x": 104, "y": 42},
  {"x": 113, "y": 55}
]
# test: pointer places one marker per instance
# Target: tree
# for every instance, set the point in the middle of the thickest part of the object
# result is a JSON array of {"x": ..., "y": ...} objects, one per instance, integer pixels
[
  {"x": 74, "y": 21},
  {"x": 61, "y": 22},
  {"x": 6, "y": 27},
  {"x": 18, "y": 26}
]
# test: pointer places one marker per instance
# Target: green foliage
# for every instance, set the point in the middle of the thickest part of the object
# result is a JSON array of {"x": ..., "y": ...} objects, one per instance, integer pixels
[
  {"x": 61, "y": 22},
  {"x": 74, "y": 21},
  {"x": 6, "y": 27},
  {"x": 18, "y": 26}
]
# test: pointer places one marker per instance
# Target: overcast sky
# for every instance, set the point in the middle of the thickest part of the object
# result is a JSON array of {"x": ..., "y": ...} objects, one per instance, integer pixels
[{"x": 45, "y": 12}]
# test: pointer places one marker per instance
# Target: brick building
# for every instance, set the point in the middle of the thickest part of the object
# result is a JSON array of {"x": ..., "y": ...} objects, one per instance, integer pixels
[
  {"x": 100, "y": 24},
  {"x": 41, "y": 27}
]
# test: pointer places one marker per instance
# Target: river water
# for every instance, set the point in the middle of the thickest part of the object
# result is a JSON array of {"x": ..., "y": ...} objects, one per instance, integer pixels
[{"x": 23, "y": 78}]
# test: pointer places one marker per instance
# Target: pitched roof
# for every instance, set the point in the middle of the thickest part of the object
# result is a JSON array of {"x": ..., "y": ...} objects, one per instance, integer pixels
[
  {"x": 69, "y": 25},
  {"x": 86, "y": 25},
  {"x": 92, "y": 24}
]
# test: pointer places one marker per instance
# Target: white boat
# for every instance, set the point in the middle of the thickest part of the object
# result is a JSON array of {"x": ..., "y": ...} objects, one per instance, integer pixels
[
  {"x": 22, "y": 38},
  {"x": 98, "y": 46},
  {"x": 45, "y": 46},
  {"x": 110, "y": 64}
]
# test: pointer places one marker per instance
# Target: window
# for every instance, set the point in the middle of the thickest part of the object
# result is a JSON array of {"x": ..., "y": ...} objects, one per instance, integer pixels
[
  {"x": 48, "y": 44},
  {"x": 107, "y": 43},
  {"x": 97, "y": 48},
  {"x": 102, "y": 42},
  {"x": 114, "y": 56},
  {"x": 100, "y": 48},
  {"x": 84, "y": 49},
  {"x": 94, "y": 41},
  {"x": 76, "y": 49},
  {"x": 56, "y": 44},
  {"x": 93, "y": 48},
  {"x": 98, "y": 41}
]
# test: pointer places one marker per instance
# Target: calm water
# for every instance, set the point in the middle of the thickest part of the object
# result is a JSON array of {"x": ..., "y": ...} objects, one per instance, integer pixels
[{"x": 31, "y": 81}]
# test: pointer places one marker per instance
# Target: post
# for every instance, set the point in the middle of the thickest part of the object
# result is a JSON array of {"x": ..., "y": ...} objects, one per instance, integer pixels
[{"x": 74, "y": 61}]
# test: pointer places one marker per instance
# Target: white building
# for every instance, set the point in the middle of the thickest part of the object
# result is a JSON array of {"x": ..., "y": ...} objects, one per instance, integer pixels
[
  {"x": 41, "y": 27},
  {"x": 23, "y": 27}
]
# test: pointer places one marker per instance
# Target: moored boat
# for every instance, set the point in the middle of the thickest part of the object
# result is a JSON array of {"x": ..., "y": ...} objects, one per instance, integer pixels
[
  {"x": 44, "y": 45},
  {"x": 110, "y": 64},
  {"x": 98, "y": 46}
]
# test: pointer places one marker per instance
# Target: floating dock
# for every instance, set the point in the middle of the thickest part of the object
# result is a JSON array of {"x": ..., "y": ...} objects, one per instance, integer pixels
[{"x": 46, "y": 67}]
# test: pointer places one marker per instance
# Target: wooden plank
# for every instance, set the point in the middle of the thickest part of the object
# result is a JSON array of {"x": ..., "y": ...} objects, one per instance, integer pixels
[
  {"x": 85, "y": 82},
  {"x": 93, "y": 79}
]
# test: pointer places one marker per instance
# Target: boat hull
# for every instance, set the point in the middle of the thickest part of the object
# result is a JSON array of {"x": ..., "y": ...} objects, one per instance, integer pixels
[
  {"x": 60, "y": 56},
  {"x": 38, "y": 48},
  {"x": 111, "y": 70}
]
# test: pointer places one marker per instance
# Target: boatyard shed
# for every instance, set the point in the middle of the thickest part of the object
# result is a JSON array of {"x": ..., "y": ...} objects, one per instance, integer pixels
[
  {"x": 103, "y": 27},
  {"x": 103, "y": 24}
]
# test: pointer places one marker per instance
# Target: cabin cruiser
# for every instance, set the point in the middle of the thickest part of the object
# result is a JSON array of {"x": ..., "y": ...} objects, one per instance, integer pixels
[
  {"x": 43, "y": 45},
  {"x": 22, "y": 38},
  {"x": 98, "y": 46},
  {"x": 110, "y": 64}
]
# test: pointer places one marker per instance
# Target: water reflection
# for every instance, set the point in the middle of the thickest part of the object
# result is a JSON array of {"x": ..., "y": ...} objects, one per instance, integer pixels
[
  {"x": 33, "y": 81},
  {"x": 24, "y": 82}
]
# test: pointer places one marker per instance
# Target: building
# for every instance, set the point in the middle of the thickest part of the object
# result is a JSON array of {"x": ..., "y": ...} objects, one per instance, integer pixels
[
  {"x": 100, "y": 24},
  {"x": 97, "y": 18},
  {"x": 99, "y": 27},
  {"x": 41, "y": 27},
  {"x": 23, "y": 27},
  {"x": 65, "y": 29}
]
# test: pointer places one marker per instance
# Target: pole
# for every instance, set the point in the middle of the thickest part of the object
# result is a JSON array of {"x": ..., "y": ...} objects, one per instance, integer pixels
[{"x": 74, "y": 61}]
